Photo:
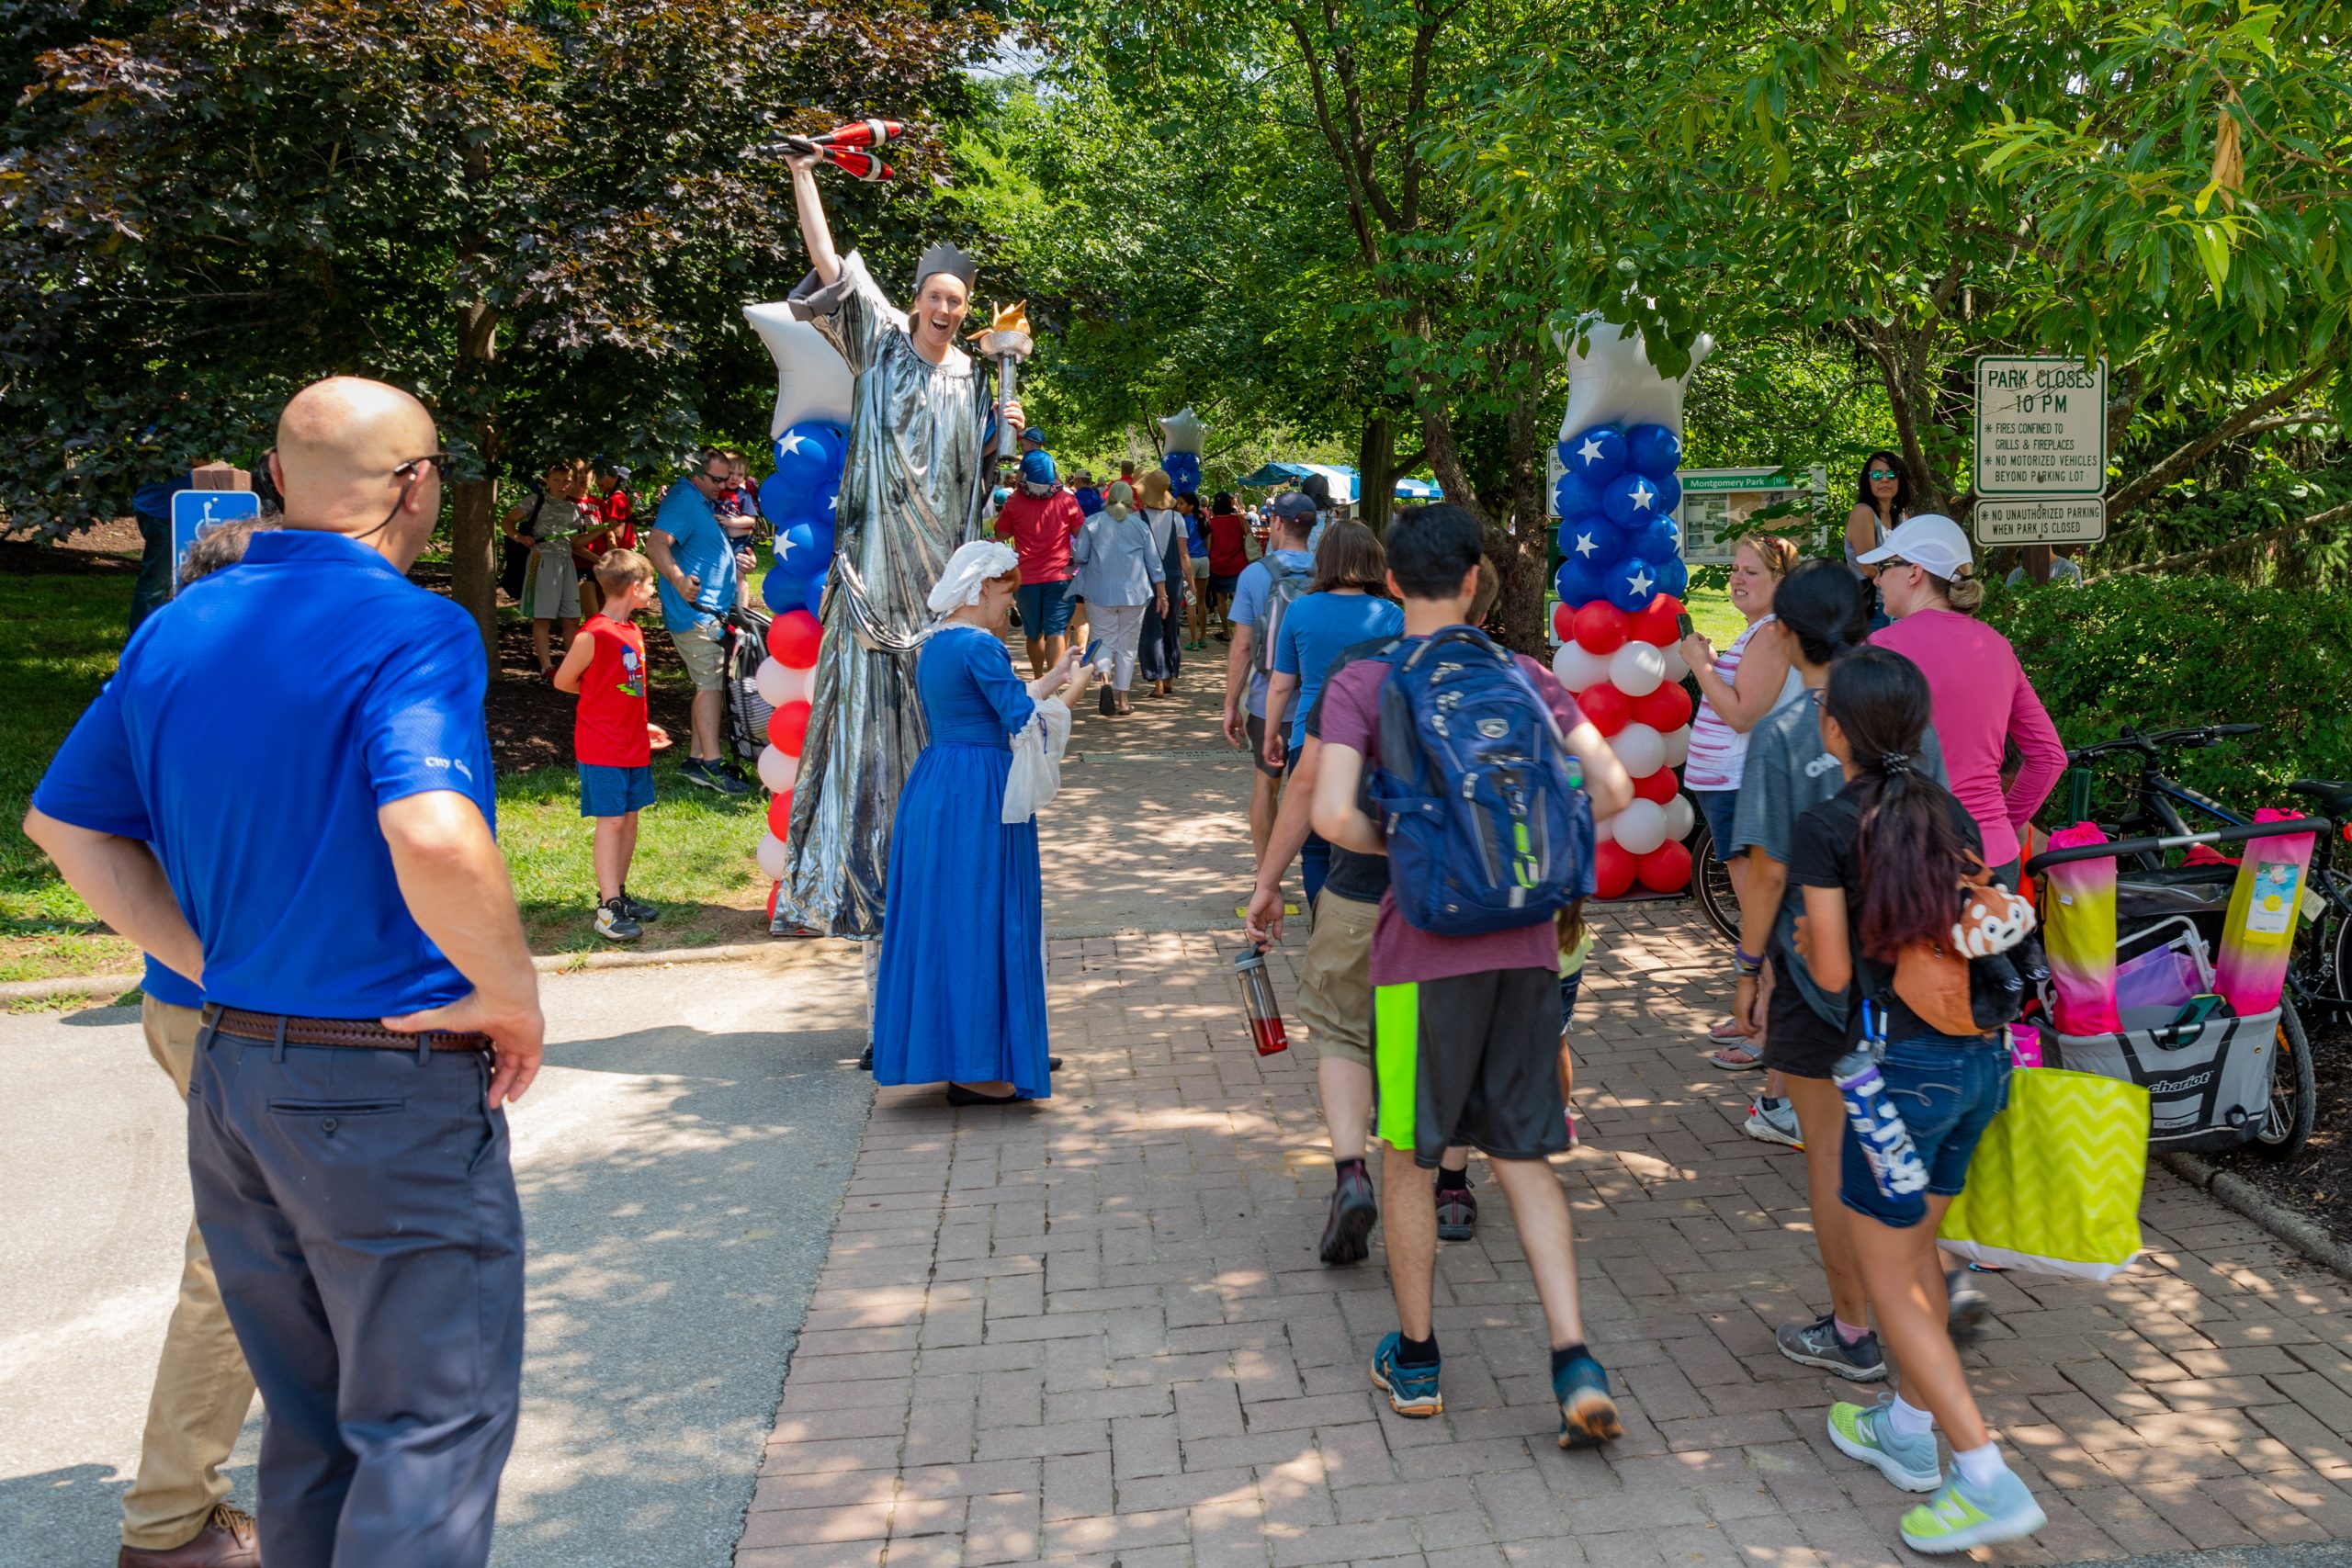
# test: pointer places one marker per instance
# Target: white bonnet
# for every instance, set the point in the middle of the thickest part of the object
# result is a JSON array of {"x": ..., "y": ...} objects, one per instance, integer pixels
[{"x": 967, "y": 568}]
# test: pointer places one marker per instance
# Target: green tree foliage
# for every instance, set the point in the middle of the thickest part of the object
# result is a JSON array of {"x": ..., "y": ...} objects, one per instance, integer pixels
[{"x": 542, "y": 216}]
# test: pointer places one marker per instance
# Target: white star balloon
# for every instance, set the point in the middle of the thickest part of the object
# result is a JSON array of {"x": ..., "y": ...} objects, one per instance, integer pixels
[
  {"x": 1613, "y": 382},
  {"x": 1182, "y": 432},
  {"x": 813, "y": 380}
]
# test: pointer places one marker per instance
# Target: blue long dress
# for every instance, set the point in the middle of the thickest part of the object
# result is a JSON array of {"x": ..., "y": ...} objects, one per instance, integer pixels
[{"x": 961, "y": 994}]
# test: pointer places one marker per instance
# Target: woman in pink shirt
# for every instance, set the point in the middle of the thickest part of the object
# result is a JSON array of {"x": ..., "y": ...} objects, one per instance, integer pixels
[{"x": 1928, "y": 579}]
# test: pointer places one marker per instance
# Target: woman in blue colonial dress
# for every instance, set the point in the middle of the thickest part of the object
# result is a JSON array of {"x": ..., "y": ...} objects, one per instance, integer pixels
[{"x": 960, "y": 998}]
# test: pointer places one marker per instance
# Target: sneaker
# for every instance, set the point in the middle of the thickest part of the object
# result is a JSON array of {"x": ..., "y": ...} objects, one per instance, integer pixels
[
  {"x": 1960, "y": 1516},
  {"x": 696, "y": 771},
  {"x": 1412, "y": 1391},
  {"x": 638, "y": 909},
  {"x": 1457, "y": 1213},
  {"x": 1772, "y": 1124},
  {"x": 1968, "y": 1307},
  {"x": 614, "y": 922},
  {"x": 1588, "y": 1415},
  {"x": 1817, "y": 1343},
  {"x": 1346, "y": 1234},
  {"x": 1864, "y": 1432}
]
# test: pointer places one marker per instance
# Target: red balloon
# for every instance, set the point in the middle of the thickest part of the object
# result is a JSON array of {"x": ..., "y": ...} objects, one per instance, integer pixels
[
  {"x": 1612, "y": 870},
  {"x": 1563, "y": 622},
  {"x": 793, "y": 638},
  {"x": 1600, "y": 627},
  {"x": 1665, "y": 710},
  {"x": 1658, "y": 785},
  {"x": 788, "y": 730},
  {"x": 1654, "y": 623},
  {"x": 780, "y": 815},
  {"x": 1666, "y": 869},
  {"x": 1610, "y": 709},
  {"x": 774, "y": 889}
]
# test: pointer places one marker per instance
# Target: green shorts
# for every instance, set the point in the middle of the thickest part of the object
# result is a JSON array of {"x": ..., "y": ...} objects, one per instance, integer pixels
[{"x": 1470, "y": 1059}]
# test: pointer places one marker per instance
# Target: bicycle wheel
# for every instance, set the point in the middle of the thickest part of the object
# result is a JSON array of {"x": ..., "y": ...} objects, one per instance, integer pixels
[
  {"x": 1711, "y": 885},
  {"x": 2294, "y": 1089}
]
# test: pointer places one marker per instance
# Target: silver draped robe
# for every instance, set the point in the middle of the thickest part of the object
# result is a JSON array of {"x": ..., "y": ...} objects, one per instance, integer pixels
[{"x": 913, "y": 485}]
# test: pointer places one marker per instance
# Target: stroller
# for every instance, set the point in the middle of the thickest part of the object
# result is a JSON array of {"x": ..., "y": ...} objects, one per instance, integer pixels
[
  {"x": 2215, "y": 1081},
  {"x": 747, "y": 711}
]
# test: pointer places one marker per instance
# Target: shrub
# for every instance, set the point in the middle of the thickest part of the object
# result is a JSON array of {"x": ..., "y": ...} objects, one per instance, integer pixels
[{"x": 2144, "y": 652}]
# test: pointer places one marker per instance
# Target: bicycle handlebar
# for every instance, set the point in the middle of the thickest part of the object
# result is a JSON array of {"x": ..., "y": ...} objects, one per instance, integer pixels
[
  {"x": 2152, "y": 746},
  {"x": 2123, "y": 847}
]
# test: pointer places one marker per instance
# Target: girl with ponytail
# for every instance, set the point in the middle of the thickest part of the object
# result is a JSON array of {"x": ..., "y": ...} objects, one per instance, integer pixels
[{"x": 1879, "y": 867}]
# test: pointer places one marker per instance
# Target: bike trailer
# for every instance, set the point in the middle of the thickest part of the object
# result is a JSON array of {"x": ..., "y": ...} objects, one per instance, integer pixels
[
  {"x": 2209, "y": 1084},
  {"x": 747, "y": 711}
]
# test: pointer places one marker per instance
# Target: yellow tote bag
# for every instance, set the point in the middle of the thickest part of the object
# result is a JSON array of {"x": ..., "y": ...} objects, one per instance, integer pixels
[{"x": 2054, "y": 1187}]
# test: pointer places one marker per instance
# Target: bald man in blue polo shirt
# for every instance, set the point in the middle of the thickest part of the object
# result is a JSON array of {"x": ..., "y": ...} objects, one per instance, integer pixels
[{"x": 324, "y": 867}]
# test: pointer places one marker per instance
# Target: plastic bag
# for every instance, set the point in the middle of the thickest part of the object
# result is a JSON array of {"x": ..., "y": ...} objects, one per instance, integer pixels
[{"x": 2054, "y": 1186}]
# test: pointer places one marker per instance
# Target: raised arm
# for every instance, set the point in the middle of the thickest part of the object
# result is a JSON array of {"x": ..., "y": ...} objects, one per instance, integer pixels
[{"x": 823, "y": 260}]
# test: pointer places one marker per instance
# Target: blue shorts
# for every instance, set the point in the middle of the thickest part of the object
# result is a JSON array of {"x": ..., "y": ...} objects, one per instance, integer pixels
[
  {"x": 1720, "y": 808},
  {"x": 1044, "y": 608},
  {"x": 1948, "y": 1093},
  {"x": 614, "y": 792}
]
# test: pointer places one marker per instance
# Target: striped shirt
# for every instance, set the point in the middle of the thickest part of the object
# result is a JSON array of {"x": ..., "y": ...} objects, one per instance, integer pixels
[{"x": 1719, "y": 752}]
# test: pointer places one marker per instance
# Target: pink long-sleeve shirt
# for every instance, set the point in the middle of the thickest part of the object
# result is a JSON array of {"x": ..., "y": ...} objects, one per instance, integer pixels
[{"x": 1982, "y": 700}]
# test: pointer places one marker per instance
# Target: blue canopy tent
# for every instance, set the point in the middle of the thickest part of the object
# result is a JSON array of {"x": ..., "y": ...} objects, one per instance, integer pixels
[
  {"x": 1418, "y": 489},
  {"x": 1343, "y": 480}
]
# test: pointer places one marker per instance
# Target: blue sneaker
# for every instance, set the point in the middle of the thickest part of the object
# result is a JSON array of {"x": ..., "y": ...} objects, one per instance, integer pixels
[
  {"x": 1960, "y": 1516},
  {"x": 1412, "y": 1391},
  {"x": 1864, "y": 1432},
  {"x": 1588, "y": 1415}
]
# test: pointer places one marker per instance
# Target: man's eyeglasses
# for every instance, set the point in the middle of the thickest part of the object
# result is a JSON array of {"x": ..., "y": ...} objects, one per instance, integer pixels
[{"x": 440, "y": 461}]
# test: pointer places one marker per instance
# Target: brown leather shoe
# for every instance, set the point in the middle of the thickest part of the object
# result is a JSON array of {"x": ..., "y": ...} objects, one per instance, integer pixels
[{"x": 227, "y": 1540}]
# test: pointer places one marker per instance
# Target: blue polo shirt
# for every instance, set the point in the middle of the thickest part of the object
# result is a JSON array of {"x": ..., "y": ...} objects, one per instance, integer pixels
[
  {"x": 701, "y": 548},
  {"x": 168, "y": 985},
  {"x": 251, "y": 733}
]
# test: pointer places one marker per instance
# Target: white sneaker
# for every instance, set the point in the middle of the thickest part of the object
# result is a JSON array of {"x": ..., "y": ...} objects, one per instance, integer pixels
[{"x": 1772, "y": 1124}]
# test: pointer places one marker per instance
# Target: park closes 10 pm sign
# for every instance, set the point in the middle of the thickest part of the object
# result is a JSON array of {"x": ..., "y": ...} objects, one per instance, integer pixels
[{"x": 2041, "y": 427}]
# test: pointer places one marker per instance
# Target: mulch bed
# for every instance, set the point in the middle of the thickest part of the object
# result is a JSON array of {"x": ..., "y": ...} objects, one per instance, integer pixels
[{"x": 2316, "y": 1183}]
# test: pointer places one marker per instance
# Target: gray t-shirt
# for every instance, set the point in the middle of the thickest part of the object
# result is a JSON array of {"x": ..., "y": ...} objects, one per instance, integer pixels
[{"x": 1789, "y": 773}]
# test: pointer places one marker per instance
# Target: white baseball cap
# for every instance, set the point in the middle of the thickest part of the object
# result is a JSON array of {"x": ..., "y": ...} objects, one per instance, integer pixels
[{"x": 1931, "y": 542}]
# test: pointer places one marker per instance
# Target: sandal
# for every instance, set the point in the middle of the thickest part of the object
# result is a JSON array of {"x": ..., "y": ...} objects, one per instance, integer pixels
[
  {"x": 1727, "y": 1032},
  {"x": 1740, "y": 1058}
]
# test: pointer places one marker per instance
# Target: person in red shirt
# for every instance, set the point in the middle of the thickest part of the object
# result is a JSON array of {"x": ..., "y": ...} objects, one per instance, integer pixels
[
  {"x": 1041, "y": 518},
  {"x": 1228, "y": 557},
  {"x": 611, "y": 737}
]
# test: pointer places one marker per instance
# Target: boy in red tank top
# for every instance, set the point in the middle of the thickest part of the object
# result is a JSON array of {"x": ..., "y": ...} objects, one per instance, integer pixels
[{"x": 611, "y": 737}]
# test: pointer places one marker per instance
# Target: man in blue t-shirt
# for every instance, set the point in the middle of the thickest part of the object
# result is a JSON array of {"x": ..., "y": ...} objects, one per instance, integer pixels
[
  {"x": 697, "y": 565},
  {"x": 1245, "y": 668},
  {"x": 370, "y": 1005}
]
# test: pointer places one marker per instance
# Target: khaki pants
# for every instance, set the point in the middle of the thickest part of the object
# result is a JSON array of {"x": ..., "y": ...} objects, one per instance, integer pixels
[{"x": 202, "y": 1389}]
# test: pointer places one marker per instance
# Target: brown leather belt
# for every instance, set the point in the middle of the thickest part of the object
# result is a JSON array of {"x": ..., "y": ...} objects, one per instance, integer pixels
[{"x": 355, "y": 1032}]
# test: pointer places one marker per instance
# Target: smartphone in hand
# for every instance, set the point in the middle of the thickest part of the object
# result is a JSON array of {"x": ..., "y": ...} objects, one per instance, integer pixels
[{"x": 1682, "y": 625}]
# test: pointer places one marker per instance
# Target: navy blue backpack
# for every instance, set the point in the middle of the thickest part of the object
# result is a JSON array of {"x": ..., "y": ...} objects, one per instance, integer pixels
[{"x": 1483, "y": 804}]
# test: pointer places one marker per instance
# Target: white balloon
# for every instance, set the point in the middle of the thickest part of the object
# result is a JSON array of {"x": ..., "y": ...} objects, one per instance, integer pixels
[
  {"x": 813, "y": 380},
  {"x": 1183, "y": 431},
  {"x": 1604, "y": 831},
  {"x": 1678, "y": 817},
  {"x": 770, "y": 856},
  {"x": 772, "y": 681},
  {"x": 1578, "y": 669},
  {"x": 1641, "y": 750},
  {"x": 1678, "y": 746},
  {"x": 778, "y": 772},
  {"x": 797, "y": 684},
  {"x": 1614, "y": 382},
  {"x": 1637, "y": 669},
  {"x": 1678, "y": 669},
  {"x": 1641, "y": 826}
]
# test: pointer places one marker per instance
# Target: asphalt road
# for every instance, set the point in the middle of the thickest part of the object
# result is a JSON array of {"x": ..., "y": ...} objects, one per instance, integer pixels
[{"x": 681, "y": 1162}]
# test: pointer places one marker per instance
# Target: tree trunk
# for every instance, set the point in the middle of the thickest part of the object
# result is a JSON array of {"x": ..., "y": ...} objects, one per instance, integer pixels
[
  {"x": 1376, "y": 471},
  {"x": 1519, "y": 547},
  {"x": 473, "y": 521}
]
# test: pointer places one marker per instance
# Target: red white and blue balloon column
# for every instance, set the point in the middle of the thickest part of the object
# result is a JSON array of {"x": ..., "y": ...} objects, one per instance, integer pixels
[
  {"x": 799, "y": 499},
  {"x": 1621, "y": 581}
]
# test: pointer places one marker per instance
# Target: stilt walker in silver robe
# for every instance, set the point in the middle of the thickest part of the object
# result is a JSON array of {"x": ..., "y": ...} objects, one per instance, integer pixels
[{"x": 913, "y": 488}]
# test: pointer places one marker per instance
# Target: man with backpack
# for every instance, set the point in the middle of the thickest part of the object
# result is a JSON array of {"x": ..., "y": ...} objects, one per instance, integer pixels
[
  {"x": 1487, "y": 781},
  {"x": 1266, "y": 588}
]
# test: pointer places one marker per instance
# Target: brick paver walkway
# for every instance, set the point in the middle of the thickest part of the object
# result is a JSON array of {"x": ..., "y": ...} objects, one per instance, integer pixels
[{"x": 1095, "y": 1330}]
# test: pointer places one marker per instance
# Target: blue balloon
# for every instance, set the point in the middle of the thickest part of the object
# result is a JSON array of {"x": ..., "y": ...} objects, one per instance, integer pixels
[
  {"x": 781, "y": 499},
  {"x": 828, "y": 505},
  {"x": 1597, "y": 454},
  {"x": 1633, "y": 583},
  {"x": 1670, "y": 494},
  {"x": 782, "y": 589},
  {"x": 1572, "y": 497},
  {"x": 1590, "y": 540},
  {"x": 814, "y": 600},
  {"x": 1631, "y": 499},
  {"x": 1673, "y": 577},
  {"x": 1657, "y": 541},
  {"x": 809, "y": 454},
  {"x": 1579, "y": 585},
  {"x": 796, "y": 550},
  {"x": 1654, "y": 450},
  {"x": 820, "y": 540}
]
